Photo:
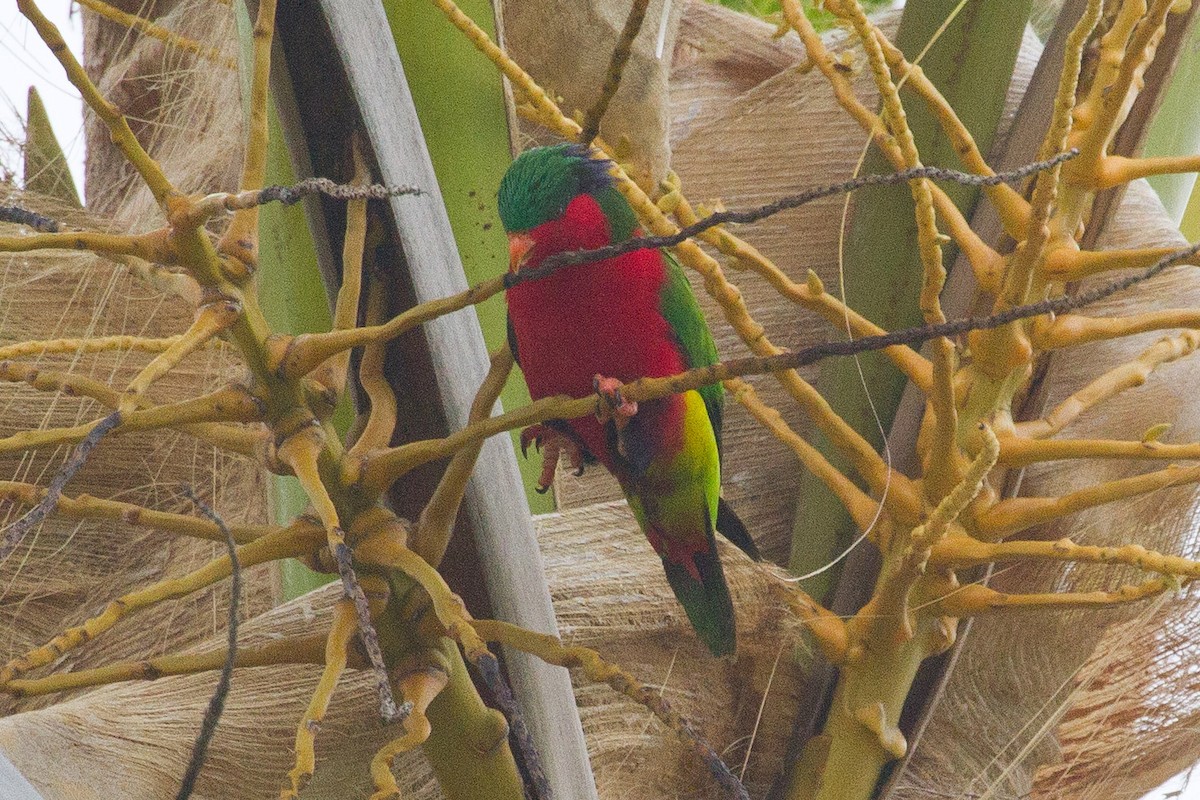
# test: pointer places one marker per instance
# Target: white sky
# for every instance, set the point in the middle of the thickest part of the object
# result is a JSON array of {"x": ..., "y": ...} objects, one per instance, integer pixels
[{"x": 25, "y": 62}]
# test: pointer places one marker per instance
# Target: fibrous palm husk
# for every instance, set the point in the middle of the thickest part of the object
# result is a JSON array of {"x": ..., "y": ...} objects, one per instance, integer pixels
[
  {"x": 65, "y": 570},
  {"x": 747, "y": 128}
]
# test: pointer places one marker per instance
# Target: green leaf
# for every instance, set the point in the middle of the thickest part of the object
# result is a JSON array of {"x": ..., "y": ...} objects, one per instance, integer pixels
[{"x": 46, "y": 171}]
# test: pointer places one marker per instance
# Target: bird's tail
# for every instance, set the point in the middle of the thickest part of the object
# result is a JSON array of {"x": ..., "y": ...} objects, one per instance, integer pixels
[{"x": 699, "y": 585}]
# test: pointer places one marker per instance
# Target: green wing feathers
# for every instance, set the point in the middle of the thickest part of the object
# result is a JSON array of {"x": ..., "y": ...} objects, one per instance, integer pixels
[{"x": 682, "y": 313}]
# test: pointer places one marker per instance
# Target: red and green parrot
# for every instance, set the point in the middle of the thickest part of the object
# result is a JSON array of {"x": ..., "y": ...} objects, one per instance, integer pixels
[{"x": 592, "y": 327}]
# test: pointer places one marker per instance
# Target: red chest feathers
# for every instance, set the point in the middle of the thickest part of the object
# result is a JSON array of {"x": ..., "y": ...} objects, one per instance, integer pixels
[{"x": 604, "y": 317}]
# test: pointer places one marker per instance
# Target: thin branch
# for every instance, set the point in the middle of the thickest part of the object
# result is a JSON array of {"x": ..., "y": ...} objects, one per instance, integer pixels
[
  {"x": 216, "y": 705},
  {"x": 974, "y": 599},
  {"x": 551, "y": 650},
  {"x": 153, "y": 246},
  {"x": 109, "y": 114},
  {"x": 337, "y": 644},
  {"x": 95, "y": 344},
  {"x": 1069, "y": 330},
  {"x": 1019, "y": 513},
  {"x": 211, "y": 320},
  {"x": 293, "y": 650},
  {"x": 17, "y": 531},
  {"x": 1124, "y": 376},
  {"x": 436, "y": 523},
  {"x": 559, "y": 260},
  {"x": 861, "y": 507},
  {"x": 148, "y": 28},
  {"x": 383, "y": 467},
  {"x": 88, "y": 507},
  {"x": 227, "y": 437},
  {"x": 298, "y": 539},
  {"x": 228, "y": 404},
  {"x": 616, "y": 68},
  {"x": 240, "y": 239},
  {"x": 1016, "y": 451},
  {"x": 301, "y": 452},
  {"x": 963, "y": 551},
  {"x": 32, "y": 219}
]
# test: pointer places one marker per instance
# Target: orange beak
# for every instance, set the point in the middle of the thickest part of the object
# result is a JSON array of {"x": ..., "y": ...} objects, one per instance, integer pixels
[{"x": 519, "y": 245}]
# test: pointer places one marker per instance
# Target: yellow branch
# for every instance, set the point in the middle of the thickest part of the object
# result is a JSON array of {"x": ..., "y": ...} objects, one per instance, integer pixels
[
  {"x": 341, "y": 630},
  {"x": 1075, "y": 329},
  {"x": 288, "y": 651},
  {"x": 983, "y": 259},
  {"x": 153, "y": 246},
  {"x": 1125, "y": 53},
  {"x": 1012, "y": 209},
  {"x": 308, "y": 350},
  {"x": 1029, "y": 256},
  {"x": 297, "y": 539},
  {"x": 87, "y": 507},
  {"x": 228, "y": 404},
  {"x": 1068, "y": 263},
  {"x": 1019, "y": 513},
  {"x": 448, "y": 607},
  {"x": 96, "y": 344},
  {"x": 1117, "y": 170},
  {"x": 420, "y": 681},
  {"x": 237, "y": 440},
  {"x": 973, "y": 600},
  {"x": 436, "y": 523},
  {"x": 345, "y": 310},
  {"x": 212, "y": 320},
  {"x": 241, "y": 238},
  {"x": 1125, "y": 376},
  {"x": 861, "y": 507},
  {"x": 1018, "y": 452},
  {"x": 154, "y": 31},
  {"x": 811, "y": 295},
  {"x": 963, "y": 551},
  {"x": 380, "y": 422}
]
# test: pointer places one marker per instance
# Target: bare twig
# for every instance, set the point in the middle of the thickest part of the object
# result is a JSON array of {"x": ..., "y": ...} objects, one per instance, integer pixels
[
  {"x": 367, "y": 633},
  {"x": 559, "y": 260},
  {"x": 17, "y": 531},
  {"x": 23, "y": 216},
  {"x": 216, "y": 704},
  {"x": 489, "y": 670},
  {"x": 616, "y": 68}
]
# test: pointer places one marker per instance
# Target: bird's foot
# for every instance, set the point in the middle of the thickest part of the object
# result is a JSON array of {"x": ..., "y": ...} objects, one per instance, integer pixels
[
  {"x": 612, "y": 405},
  {"x": 553, "y": 444}
]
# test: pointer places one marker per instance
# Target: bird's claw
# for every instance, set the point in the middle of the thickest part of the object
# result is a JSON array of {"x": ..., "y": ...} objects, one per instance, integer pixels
[
  {"x": 553, "y": 445},
  {"x": 612, "y": 406},
  {"x": 532, "y": 435}
]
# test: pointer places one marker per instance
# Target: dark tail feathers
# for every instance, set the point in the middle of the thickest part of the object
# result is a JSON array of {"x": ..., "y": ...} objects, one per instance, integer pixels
[{"x": 732, "y": 528}]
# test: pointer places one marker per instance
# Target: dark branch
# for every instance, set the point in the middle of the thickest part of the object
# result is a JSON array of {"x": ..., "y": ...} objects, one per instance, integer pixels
[
  {"x": 557, "y": 261},
  {"x": 369, "y": 636},
  {"x": 616, "y": 69},
  {"x": 216, "y": 704},
  {"x": 23, "y": 216},
  {"x": 489, "y": 670},
  {"x": 18, "y": 530},
  {"x": 289, "y": 195},
  {"x": 756, "y": 365}
]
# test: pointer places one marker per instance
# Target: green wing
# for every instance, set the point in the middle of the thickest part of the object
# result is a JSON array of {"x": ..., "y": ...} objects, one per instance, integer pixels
[{"x": 682, "y": 312}]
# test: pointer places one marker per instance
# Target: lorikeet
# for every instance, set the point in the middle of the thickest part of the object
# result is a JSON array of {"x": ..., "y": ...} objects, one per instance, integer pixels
[{"x": 591, "y": 327}]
